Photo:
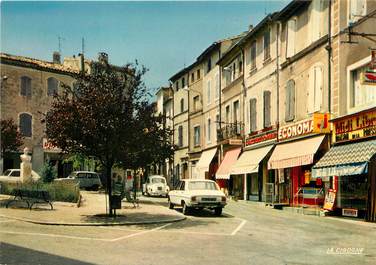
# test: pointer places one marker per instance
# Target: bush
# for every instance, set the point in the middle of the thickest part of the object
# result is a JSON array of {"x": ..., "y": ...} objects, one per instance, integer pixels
[
  {"x": 59, "y": 191},
  {"x": 48, "y": 172}
]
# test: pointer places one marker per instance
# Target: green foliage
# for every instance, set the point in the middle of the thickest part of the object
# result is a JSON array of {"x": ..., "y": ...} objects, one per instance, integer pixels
[
  {"x": 48, "y": 172},
  {"x": 59, "y": 191},
  {"x": 11, "y": 139}
]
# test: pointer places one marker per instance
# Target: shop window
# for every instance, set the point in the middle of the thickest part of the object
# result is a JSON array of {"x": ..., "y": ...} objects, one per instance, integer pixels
[
  {"x": 25, "y": 124},
  {"x": 290, "y": 101},
  {"x": 362, "y": 94},
  {"x": 25, "y": 86},
  {"x": 52, "y": 86},
  {"x": 267, "y": 109}
]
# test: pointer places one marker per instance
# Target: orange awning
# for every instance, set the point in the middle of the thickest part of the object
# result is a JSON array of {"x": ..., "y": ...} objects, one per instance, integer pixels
[{"x": 229, "y": 160}]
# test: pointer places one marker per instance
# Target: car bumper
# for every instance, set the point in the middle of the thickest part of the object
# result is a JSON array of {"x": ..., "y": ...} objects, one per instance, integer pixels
[
  {"x": 207, "y": 204},
  {"x": 157, "y": 193}
]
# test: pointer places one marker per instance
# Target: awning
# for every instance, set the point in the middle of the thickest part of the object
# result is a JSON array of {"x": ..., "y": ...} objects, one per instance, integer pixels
[
  {"x": 229, "y": 160},
  {"x": 249, "y": 161},
  {"x": 202, "y": 165},
  {"x": 295, "y": 154},
  {"x": 345, "y": 160}
]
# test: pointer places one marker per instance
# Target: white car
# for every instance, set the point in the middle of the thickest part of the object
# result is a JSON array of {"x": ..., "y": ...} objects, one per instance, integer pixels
[
  {"x": 87, "y": 179},
  {"x": 199, "y": 194},
  {"x": 13, "y": 175},
  {"x": 155, "y": 185}
]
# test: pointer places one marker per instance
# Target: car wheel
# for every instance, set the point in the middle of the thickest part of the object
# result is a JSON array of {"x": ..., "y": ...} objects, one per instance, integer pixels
[
  {"x": 170, "y": 205},
  {"x": 185, "y": 209},
  {"x": 218, "y": 211}
]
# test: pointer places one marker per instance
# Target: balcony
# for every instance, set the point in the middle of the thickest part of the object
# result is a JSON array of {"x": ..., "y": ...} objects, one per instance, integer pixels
[{"x": 230, "y": 131}]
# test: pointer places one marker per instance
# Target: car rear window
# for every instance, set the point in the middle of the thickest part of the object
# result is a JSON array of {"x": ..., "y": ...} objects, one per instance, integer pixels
[
  {"x": 7, "y": 172},
  {"x": 202, "y": 185},
  {"x": 157, "y": 180}
]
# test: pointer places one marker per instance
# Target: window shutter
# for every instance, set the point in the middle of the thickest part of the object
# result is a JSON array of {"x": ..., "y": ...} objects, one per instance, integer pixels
[
  {"x": 292, "y": 100},
  {"x": 208, "y": 92},
  {"x": 266, "y": 109},
  {"x": 26, "y": 124},
  {"x": 291, "y": 28},
  {"x": 318, "y": 88},
  {"x": 287, "y": 102},
  {"x": 253, "y": 124},
  {"x": 311, "y": 91},
  {"x": 25, "y": 86}
]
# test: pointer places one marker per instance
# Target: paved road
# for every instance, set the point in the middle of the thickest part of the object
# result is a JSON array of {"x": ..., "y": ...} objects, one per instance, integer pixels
[{"x": 245, "y": 234}]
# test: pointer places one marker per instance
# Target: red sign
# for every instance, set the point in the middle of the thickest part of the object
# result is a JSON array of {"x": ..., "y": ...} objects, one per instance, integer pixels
[
  {"x": 48, "y": 146},
  {"x": 261, "y": 138}
]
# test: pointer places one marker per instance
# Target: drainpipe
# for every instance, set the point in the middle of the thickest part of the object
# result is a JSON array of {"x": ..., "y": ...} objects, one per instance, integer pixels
[
  {"x": 189, "y": 130},
  {"x": 244, "y": 93},
  {"x": 173, "y": 131},
  {"x": 220, "y": 107},
  {"x": 329, "y": 49},
  {"x": 279, "y": 29}
]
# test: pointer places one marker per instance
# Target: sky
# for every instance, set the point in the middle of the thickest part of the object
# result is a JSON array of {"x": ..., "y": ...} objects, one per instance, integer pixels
[{"x": 164, "y": 36}]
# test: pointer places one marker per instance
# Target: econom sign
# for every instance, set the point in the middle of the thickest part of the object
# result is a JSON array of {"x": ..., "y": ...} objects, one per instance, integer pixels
[{"x": 296, "y": 129}]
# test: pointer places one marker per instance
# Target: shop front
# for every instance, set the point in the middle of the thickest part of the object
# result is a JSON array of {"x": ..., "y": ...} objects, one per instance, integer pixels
[
  {"x": 299, "y": 146},
  {"x": 204, "y": 166},
  {"x": 232, "y": 185},
  {"x": 251, "y": 165},
  {"x": 349, "y": 166}
]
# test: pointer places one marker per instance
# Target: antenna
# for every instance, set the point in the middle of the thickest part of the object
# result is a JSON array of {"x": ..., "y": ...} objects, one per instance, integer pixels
[
  {"x": 83, "y": 45},
  {"x": 60, "y": 40}
]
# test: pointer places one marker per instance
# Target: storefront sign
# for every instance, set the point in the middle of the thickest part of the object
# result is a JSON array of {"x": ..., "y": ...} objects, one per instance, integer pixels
[
  {"x": 350, "y": 212},
  {"x": 355, "y": 127},
  {"x": 235, "y": 142},
  {"x": 49, "y": 147},
  {"x": 330, "y": 199},
  {"x": 296, "y": 129},
  {"x": 260, "y": 138},
  {"x": 321, "y": 123}
]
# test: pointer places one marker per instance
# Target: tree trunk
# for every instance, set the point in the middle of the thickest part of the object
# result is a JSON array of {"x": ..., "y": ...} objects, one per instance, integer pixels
[{"x": 109, "y": 189}]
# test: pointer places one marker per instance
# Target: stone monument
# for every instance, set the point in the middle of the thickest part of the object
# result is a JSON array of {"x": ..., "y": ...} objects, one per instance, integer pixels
[{"x": 25, "y": 175}]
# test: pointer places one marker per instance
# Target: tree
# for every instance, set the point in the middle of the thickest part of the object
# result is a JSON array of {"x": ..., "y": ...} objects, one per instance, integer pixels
[
  {"x": 11, "y": 138},
  {"x": 48, "y": 172},
  {"x": 100, "y": 116}
]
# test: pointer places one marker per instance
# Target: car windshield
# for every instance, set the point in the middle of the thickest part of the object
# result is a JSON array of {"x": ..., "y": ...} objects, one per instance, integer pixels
[
  {"x": 202, "y": 185},
  {"x": 7, "y": 172},
  {"x": 157, "y": 180}
]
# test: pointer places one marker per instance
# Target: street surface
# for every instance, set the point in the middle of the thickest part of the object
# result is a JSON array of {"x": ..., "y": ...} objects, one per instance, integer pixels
[{"x": 245, "y": 234}]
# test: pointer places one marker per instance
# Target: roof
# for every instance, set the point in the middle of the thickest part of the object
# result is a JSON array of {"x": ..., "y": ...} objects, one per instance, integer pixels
[
  {"x": 35, "y": 63},
  {"x": 291, "y": 8}
]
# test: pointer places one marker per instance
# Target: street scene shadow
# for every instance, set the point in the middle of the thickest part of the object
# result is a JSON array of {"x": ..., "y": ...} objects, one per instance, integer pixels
[
  {"x": 205, "y": 213},
  {"x": 11, "y": 254},
  {"x": 140, "y": 216}
]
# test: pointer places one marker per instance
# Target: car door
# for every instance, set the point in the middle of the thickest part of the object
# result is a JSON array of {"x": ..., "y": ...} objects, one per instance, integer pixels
[
  {"x": 81, "y": 177},
  {"x": 15, "y": 173},
  {"x": 174, "y": 194}
]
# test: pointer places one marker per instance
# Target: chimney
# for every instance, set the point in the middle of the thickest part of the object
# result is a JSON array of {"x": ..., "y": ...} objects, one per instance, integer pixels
[
  {"x": 103, "y": 57},
  {"x": 56, "y": 58},
  {"x": 250, "y": 27}
]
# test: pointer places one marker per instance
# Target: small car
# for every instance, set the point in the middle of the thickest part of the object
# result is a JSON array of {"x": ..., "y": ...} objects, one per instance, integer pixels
[
  {"x": 156, "y": 185},
  {"x": 198, "y": 194},
  {"x": 86, "y": 179},
  {"x": 14, "y": 175}
]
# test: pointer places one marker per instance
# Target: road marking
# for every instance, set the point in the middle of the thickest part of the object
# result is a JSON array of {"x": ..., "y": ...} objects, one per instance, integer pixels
[
  {"x": 140, "y": 233},
  {"x": 197, "y": 233},
  {"x": 53, "y": 235},
  {"x": 239, "y": 227},
  {"x": 6, "y": 221}
]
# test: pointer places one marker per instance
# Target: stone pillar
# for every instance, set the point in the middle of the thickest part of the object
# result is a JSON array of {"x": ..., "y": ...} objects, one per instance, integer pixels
[{"x": 25, "y": 166}]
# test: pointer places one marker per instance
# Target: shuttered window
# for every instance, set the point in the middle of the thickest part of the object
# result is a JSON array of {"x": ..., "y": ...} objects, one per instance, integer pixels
[
  {"x": 182, "y": 105},
  {"x": 208, "y": 133},
  {"x": 25, "y": 124},
  {"x": 267, "y": 107},
  {"x": 253, "y": 55},
  {"x": 197, "y": 135},
  {"x": 52, "y": 85},
  {"x": 216, "y": 85},
  {"x": 290, "y": 101},
  {"x": 180, "y": 136},
  {"x": 267, "y": 45},
  {"x": 291, "y": 29},
  {"x": 208, "y": 92},
  {"x": 315, "y": 89},
  {"x": 25, "y": 86},
  {"x": 357, "y": 9},
  {"x": 253, "y": 114}
]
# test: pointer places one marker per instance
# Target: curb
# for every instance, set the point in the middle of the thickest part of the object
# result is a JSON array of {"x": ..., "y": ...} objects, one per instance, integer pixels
[{"x": 96, "y": 224}]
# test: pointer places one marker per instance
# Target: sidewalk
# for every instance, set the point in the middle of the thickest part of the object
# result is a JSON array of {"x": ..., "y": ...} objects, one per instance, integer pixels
[{"x": 90, "y": 213}]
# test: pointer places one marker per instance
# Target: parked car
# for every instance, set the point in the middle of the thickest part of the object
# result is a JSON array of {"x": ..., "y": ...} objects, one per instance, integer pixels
[
  {"x": 199, "y": 194},
  {"x": 13, "y": 175},
  {"x": 86, "y": 179},
  {"x": 155, "y": 185}
]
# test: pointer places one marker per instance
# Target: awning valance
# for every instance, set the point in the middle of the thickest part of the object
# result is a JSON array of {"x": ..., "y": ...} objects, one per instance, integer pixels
[
  {"x": 229, "y": 160},
  {"x": 295, "y": 154},
  {"x": 345, "y": 160},
  {"x": 249, "y": 161},
  {"x": 202, "y": 165}
]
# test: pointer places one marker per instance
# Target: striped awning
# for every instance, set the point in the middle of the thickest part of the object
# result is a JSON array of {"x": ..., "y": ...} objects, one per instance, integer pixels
[
  {"x": 229, "y": 160},
  {"x": 345, "y": 160},
  {"x": 249, "y": 160},
  {"x": 295, "y": 153},
  {"x": 203, "y": 164}
]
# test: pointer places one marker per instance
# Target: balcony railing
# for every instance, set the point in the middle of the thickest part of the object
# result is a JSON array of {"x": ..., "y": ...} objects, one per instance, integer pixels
[{"x": 230, "y": 131}]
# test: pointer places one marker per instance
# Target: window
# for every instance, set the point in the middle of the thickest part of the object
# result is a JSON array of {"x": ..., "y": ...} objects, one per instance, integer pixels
[
  {"x": 180, "y": 136},
  {"x": 291, "y": 29},
  {"x": 356, "y": 10},
  {"x": 362, "y": 94},
  {"x": 52, "y": 85},
  {"x": 197, "y": 135},
  {"x": 192, "y": 77},
  {"x": 196, "y": 101},
  {"x": 233, "y": 71},
  {"x": 315, "y": 89},
  {"x": 25, "y": 124},
  {"x": 267, "y": 107},
  {"x": 253, "y": 114},
  {"x": 183, "y": 82},
  {"x": 208, "y": 131},
  {"x": 267, "y": 45},
  {"x": 240, "y": 67},
  {"x": 217, "y": 85},
  {"x": 182, "y": 105},
  {"x": 236, "y": 111},
  {"x": 228, "y": 114},
  {"x": 209, "y": 65},
  {"x": 290, "y": 101},
  {"x": 318, "y": 19},
  {"x": 25, "y": 86},
  {"x": 177, "y": 85},
  {"x": 198, "y": 74},
  {"x": 208, "y": 92},
  {"x": 217, "y": 121},
  {"x": 253, "y": 55}
]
